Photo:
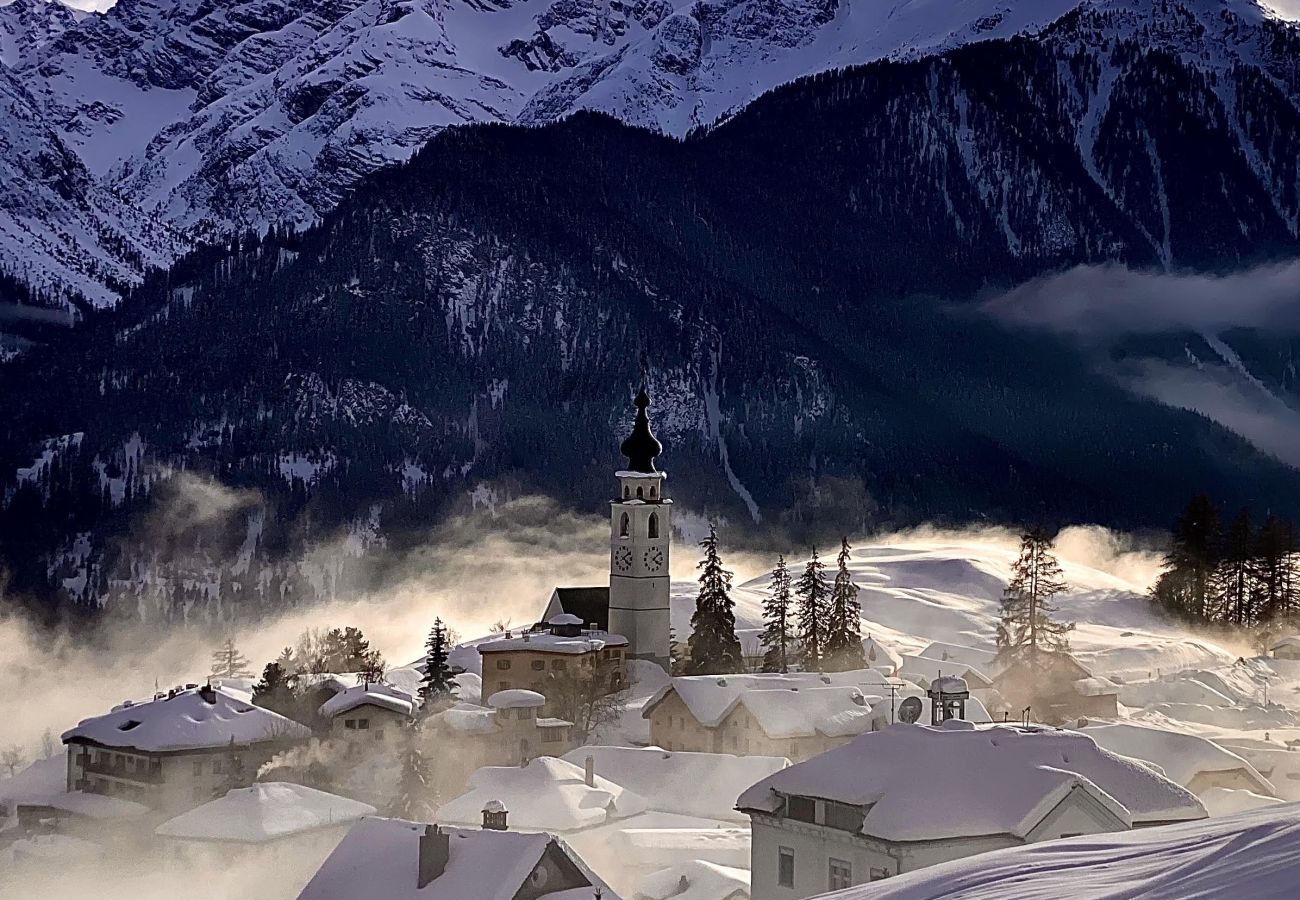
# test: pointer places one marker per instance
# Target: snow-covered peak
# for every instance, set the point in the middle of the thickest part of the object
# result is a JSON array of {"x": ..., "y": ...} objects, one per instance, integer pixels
[{"x": 27, "y": 26}]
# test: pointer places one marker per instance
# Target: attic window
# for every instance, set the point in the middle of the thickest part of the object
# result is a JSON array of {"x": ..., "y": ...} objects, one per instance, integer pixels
[
  {"x": 128, "y": 725},
  {"x": 801, "y": 809}
]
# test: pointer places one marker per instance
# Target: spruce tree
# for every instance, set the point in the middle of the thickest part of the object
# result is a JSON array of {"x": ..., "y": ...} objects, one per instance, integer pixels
[
  {"x": 437, "y": 683},
  {"x": 776, "y": 635},
  {"x": 1027, "y": 624},
  {"x": 277, "y": 691},
  {"x": 714, "y": 647},
  {"x": 1237, "y": 571},
  {"x": 1187, "y": 586},
  {"x": 813, "y": 603},
  {"x": 414, "y": 800},
  {"x": 843, "y": 622},
  {"x": 228, "y": 662},
  {"x": 1274, "y": 562}
]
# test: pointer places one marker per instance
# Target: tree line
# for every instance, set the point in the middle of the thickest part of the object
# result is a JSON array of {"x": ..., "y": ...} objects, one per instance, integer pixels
[{"x": 1239, "y": 575}]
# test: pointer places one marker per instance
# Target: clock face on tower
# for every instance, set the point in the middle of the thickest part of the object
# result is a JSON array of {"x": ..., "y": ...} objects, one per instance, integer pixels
[
  {"x": 623, "y": 559},
  {"x": 653, "y": 559}
]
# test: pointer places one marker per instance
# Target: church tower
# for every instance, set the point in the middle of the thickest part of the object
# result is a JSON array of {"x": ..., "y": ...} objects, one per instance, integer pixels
[{"x": 639, "y": 545}]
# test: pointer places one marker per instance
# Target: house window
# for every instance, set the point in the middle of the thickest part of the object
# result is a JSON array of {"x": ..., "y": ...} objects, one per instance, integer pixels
[
  {"x": 653, "y": 526},
  {"x": 840, "y": 876},
  {"x": 216, "y": 766},
  {"x": 785, "y": 867},
  {"x": 539, "y": 665},
  {"x": 503, "y": 663},
  {"x": 350, "y": 723},
  {"x": 551, "y": 735},
  {"x": 842, "y": 816},
  {"x": 801, "y": 809},
  {"x": 624, "y": 525},
  {"x": 363, "y": 724},
  {"x": 198, "y": 768}
]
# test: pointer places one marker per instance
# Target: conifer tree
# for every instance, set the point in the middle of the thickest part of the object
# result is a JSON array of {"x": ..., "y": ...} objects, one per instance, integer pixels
[
  {"x": 228, "y": 662},
  {"x": 437, "y": 683},
  {"x": 277, "y": 690},
  {"x": 1236, "y": 570},
  {"x": 1027, "y": 623},
  {"x": 776, "y": 637},
  {"x": 1187, "y": 586},
  {"x": 1274, "y": 569},
  {"x": 714, "y": 647},
  {"x": 843, "y": 622},
  {"x": 813, "y": 603}
]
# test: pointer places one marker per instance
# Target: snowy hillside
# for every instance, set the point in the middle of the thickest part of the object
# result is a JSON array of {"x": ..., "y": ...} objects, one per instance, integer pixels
[
  {"x": 1249, "y": 856},
  {"x": 244, "y": 114}
]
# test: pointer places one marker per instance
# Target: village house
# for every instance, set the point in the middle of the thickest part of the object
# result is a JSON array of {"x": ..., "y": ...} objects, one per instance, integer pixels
[
  {"x": 552, "y": 652},
  {"x": 367, "y": 713},
  {"x": 796, "y": 715},
  {"x": 509, "y": 732},
  {"x": 1198, "y": 764},
  {"x": 397, "y": 860},
  {"x": 1286, "y": 648},
  {"x": 912, "y": 796},
  {"x": 178, "y": 750},
  {"x": 1055, "y": 688},
  {"x": 695, "y": 880},
  {"x": 277, "y": 823}
]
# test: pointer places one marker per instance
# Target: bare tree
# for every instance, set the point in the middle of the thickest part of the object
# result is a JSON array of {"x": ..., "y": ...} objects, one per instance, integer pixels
[
  {"x": 590, "y": 696},
  {"x": 12, "y": 758}
]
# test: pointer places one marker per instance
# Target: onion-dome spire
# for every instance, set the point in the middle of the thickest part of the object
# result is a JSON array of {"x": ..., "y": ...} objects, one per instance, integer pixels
[{"x": 641, "y": 446}]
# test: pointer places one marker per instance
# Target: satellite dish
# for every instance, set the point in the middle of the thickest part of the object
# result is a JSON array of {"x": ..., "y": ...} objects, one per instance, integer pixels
[{"x": 909, "y": 710}]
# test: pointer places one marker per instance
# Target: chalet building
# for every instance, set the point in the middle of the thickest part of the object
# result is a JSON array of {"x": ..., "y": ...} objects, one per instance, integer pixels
[
  {"x": 1055, "y": 688},
  {"x": 552, "y": 651},
  {"x": 508, "y": 733},
  {"x": 178, "y": 750},
  {"x": 635, "y": 603},
  {"x": 796, "y": 715},
  {"x": 912, "y": 796},
  {"x": 367, "y": 714},
  {"x": 1196, "y": 763},
  {"x": 1286, "y": 648},
  {"x": 398, "y": 860}
]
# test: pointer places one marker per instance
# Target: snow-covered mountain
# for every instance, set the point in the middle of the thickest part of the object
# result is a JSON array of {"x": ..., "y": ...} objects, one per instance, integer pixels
[{"x": 218, "y": 117}]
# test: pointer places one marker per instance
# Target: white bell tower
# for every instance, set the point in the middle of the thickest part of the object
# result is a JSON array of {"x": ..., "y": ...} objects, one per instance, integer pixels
[{"x": 640, "y": 526}]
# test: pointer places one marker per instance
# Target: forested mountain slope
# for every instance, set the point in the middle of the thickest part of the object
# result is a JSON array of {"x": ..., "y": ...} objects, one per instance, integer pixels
[{"x": 795, "y": 284}]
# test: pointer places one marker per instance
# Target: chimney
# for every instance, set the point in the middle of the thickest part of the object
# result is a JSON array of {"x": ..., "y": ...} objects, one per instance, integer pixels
[
  {"x": 589, "y": 771},
  {"x": 435, "y": 850},
  {"x": 494, "y": 816},
  {"x": 209, "y": 694}
]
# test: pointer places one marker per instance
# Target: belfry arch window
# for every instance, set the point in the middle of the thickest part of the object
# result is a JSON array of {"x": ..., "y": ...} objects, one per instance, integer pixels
[
  {"x": 624, "y": 525},
  {"x": 654, "y": 492},
  {"x": 627, "y": 492},
  {"x": 640, "y": 493},
  {"x": 654, "y": 526}
]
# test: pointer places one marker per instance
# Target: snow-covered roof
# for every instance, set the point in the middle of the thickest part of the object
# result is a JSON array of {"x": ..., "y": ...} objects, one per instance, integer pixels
[
  {"x": 468, "y": 719},
  {"x": 380, "y": 858},
  {"x": 880, "y": 656},
  {"x": 1226, "y": 801},
  {"x": 56, "y": 848},
  {"x": 804, "y": 712},
  {"x": 1291, "y": 640},
  {"x": 1248, "y": 856},
  {"x": 1096, "y": 686},
  {"x": 545, "y": 642},
  {"x": 186, "y": 722},
  {"x": 547, "y": 793},
  {"x": 703, "y": 881},
  {"x": 711, "y": 697},
  {"x": 516, "y": 698},
  {"x": 696, "y": 784},
  {"x": 82, "y": 803},
  {"x": 992, "y": 780},
  {"x": 45, "y": 776},
  {"x": 384, "y": 696},
  {"x": 949, "y": 684},
  {"x": 971, "y": 656},
  {"x": 923, "y": 671},
  {"x": 565, "y": 619},
  {"x": 263, "y": 813},
  {"x": 1181, "y": 756}
]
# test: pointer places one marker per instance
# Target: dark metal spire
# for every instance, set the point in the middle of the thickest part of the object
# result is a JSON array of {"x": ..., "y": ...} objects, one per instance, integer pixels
[{"x": 641, "y": 446}]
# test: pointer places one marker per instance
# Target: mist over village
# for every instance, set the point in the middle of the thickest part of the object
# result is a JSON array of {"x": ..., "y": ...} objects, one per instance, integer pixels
[{"x": 649, "y": 449}]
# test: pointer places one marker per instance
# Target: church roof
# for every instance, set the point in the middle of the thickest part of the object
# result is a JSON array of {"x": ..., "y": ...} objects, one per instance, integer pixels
[
  {"x": 590, "y": 604},
  {"x": 641, "y": 446}
]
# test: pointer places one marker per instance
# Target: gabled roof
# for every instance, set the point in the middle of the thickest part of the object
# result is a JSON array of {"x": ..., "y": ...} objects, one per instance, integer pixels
[
  {"x": 986, "y": 781},
  {"x": 923, "y": 670},
  {"x": 384, "y": 696},
  {"x": 711, "y": 697},
  {"x": 703, "y": 881},
  {"x": 804, "y": 712},
  {"x": 545, "y": 793},
  {"x": 590, "y": 604},
  {"x": 1291, "y": 640},
  {"x": 380, "y": 858},
  {"x": 1181, "y": 756},
  {"x": 186, "y": 721},
  {"x": 263, "y": 813},
  {"x": 545, "y": 642},
  {"x": 695, "y": 784}
]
